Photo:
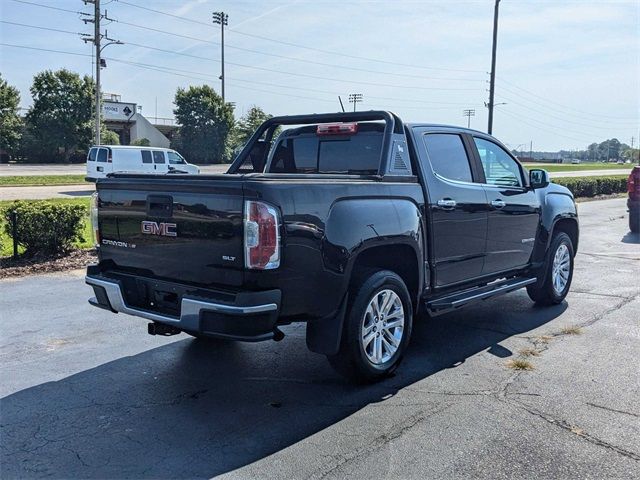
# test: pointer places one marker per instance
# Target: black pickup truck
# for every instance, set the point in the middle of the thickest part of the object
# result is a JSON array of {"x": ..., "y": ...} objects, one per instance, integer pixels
[{"x": 351, "y": 222}]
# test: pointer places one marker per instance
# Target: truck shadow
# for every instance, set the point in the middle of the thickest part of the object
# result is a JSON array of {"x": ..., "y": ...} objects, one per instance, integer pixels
[
  {"x": 192, "y": 410},
  {"x": 631, "y": 237}
]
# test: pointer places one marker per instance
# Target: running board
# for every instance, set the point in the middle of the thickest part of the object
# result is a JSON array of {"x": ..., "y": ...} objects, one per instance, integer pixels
[{"x": 459, "y": 299}]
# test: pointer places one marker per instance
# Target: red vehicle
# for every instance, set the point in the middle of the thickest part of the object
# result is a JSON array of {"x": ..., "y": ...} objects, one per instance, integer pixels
[{"x": 633, "y": 202}]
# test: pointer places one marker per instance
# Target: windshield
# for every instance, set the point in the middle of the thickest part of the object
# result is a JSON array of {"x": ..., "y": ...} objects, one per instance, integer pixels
[{"x": 175, "y": 158}]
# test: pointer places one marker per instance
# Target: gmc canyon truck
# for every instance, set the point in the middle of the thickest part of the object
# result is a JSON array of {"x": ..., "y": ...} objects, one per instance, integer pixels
[{"x": 351, "y": 222}]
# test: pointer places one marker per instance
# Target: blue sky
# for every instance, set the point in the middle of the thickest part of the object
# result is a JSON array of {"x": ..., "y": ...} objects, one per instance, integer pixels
[{"x": 568, "y": 71}]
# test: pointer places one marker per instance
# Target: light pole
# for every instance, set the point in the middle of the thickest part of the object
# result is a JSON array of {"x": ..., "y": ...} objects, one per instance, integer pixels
[
  {"x": 492, "y": 84},
  {"x": 222, "y": 19},
  {"x": 355, "y": 98},
  {"x": 470, "y": 112}
]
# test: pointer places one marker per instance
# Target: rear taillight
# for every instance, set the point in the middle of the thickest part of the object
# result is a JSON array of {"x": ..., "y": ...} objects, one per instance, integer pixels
[
  {"x": 95, "y": 231},
  {"x": 261, "y": 236}
]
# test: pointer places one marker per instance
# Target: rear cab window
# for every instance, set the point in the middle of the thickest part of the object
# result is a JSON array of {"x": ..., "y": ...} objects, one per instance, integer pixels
[
  {"x": 146, "y": 156},
  {"x": 448, "y": 156},
  {"x": 304, "y": 150}
]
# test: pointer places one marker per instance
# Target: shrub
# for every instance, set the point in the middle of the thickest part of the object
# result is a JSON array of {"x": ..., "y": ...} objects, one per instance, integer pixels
[
  {"x": 109, "y": 137},
  {"x": 592, "y": 186},
  {"x": 141, "y": 142},
  {"x": 45, "y": 227}
]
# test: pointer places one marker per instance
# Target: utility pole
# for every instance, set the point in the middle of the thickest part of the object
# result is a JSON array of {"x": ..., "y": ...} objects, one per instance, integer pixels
[
  {"x": 222, "y": 19},
  {"x": 96, "y": 37},
  {"x": 492, "y": 84},
  {"x": 469, "y": 113},
  {"x": 355, "y": 98},
  {"x": 97, "y": 41}
]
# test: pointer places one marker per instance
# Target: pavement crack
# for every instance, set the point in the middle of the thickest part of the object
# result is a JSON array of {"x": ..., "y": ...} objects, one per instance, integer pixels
[
  {"x": 378, "y": 442},
  {"x": 609, "y": 255},
  {"x": 613, "y": 409},
  {"x": 579, "y": 432}
]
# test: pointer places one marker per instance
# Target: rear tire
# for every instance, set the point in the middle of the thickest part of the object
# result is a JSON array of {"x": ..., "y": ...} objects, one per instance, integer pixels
[
  {"x": 634, "y": 221},
  {"x": 557, "y": 272},
  {"x": 377, "y": 327}
]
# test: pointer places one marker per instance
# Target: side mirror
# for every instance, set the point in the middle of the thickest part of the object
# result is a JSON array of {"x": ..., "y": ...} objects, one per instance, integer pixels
[{"x": 538, "y": 178}]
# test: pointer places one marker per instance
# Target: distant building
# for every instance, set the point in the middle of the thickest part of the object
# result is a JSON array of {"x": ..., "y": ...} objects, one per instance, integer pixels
[{"x": 125, "y": 119}]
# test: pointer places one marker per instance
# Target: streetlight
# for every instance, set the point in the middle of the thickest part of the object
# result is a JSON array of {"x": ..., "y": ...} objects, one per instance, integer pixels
[
  {"x": 355, "y": 98},
  {"x": 222, "y": 19}
]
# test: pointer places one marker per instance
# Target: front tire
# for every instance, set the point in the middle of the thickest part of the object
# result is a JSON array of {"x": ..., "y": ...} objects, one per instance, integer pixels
[
  {"x": 557, "y": 272},
  {"x": 377, "y": 328}
]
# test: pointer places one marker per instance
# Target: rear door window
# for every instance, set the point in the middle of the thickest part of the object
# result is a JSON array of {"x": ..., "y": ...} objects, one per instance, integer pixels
[
  {"x": 93, "y": 153},
  {"x": 158, "y": 157},
  {"x": 448, "y": 156},
  {"x": 102, "y": 155},
  {"x": 146, "y": 156}
]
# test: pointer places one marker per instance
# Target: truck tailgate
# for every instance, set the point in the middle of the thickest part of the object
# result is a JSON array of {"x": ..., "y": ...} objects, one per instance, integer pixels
[{"x": 187, "y": 229}]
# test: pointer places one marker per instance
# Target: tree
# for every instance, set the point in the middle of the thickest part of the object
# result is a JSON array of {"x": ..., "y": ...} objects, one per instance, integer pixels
[
  {"x": 609, "y": 149},
  {"x": 247, "y": 125},
  {"x": 205, "y": 125},
  {"x": 109, "y": 137},
  {"x": 10, "y": 122},
  {"x": 60, "y": 119},
  {"x": 593, "y": 151}
]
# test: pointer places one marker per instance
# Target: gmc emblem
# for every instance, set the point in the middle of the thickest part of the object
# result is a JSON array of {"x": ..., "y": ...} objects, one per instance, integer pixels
[{"x": 163, "y": 229}]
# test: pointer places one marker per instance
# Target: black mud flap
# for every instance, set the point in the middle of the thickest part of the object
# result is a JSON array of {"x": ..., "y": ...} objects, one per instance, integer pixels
[{"x": 324, "y": 334}]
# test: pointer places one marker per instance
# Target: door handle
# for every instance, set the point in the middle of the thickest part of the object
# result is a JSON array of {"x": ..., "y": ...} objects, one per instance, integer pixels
[
  {"x": 446, "y": 203},
  {"x": 498, "y": 203}
]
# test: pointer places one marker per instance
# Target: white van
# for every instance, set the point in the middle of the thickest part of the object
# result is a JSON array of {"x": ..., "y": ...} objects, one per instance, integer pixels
[{"x": 104, "y": 159}]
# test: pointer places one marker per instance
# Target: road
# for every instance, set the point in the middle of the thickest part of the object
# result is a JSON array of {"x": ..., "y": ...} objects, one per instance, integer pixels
[
  {"x": 10, "y": 170},
  {"x": 59, "y": 191},
  {"x": 591, "y": 173},
  {"x": 70, "y": 191},
  {"x": 88, "y": 394}
]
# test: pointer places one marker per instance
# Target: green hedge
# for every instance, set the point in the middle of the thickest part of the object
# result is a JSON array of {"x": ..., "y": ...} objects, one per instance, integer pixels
[
  {"x": 44, "y": 227},
  {"x": 592, "y": 186}
]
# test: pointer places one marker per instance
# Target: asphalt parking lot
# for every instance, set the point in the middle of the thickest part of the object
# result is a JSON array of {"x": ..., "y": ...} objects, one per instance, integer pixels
[{"x": 88, "y": 394}]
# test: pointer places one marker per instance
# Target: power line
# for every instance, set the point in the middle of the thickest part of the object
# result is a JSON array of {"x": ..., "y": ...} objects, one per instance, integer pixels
[
  {"x": 551, "y": 129},
  {"x": 161, "y": 69},
  {"x": 51, "y": 7},
  {"x": 38, "y": 27},
  {"x": 316, "y": 77},
  {"x": 329, "y": 52},
  {"x": 312, "y": 62},
  {"x": 627, "y": 119},
  {"x": 302, "y": 60},
  {"x": 206, "y": 77},
  {"x": 598, "y": 126}
]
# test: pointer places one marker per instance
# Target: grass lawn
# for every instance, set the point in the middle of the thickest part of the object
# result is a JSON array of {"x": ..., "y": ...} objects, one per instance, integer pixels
[
  {"x": 6, "y": 244},
  {"x": 568, "y": 167},
  {"x": 34, "y": 180}
]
